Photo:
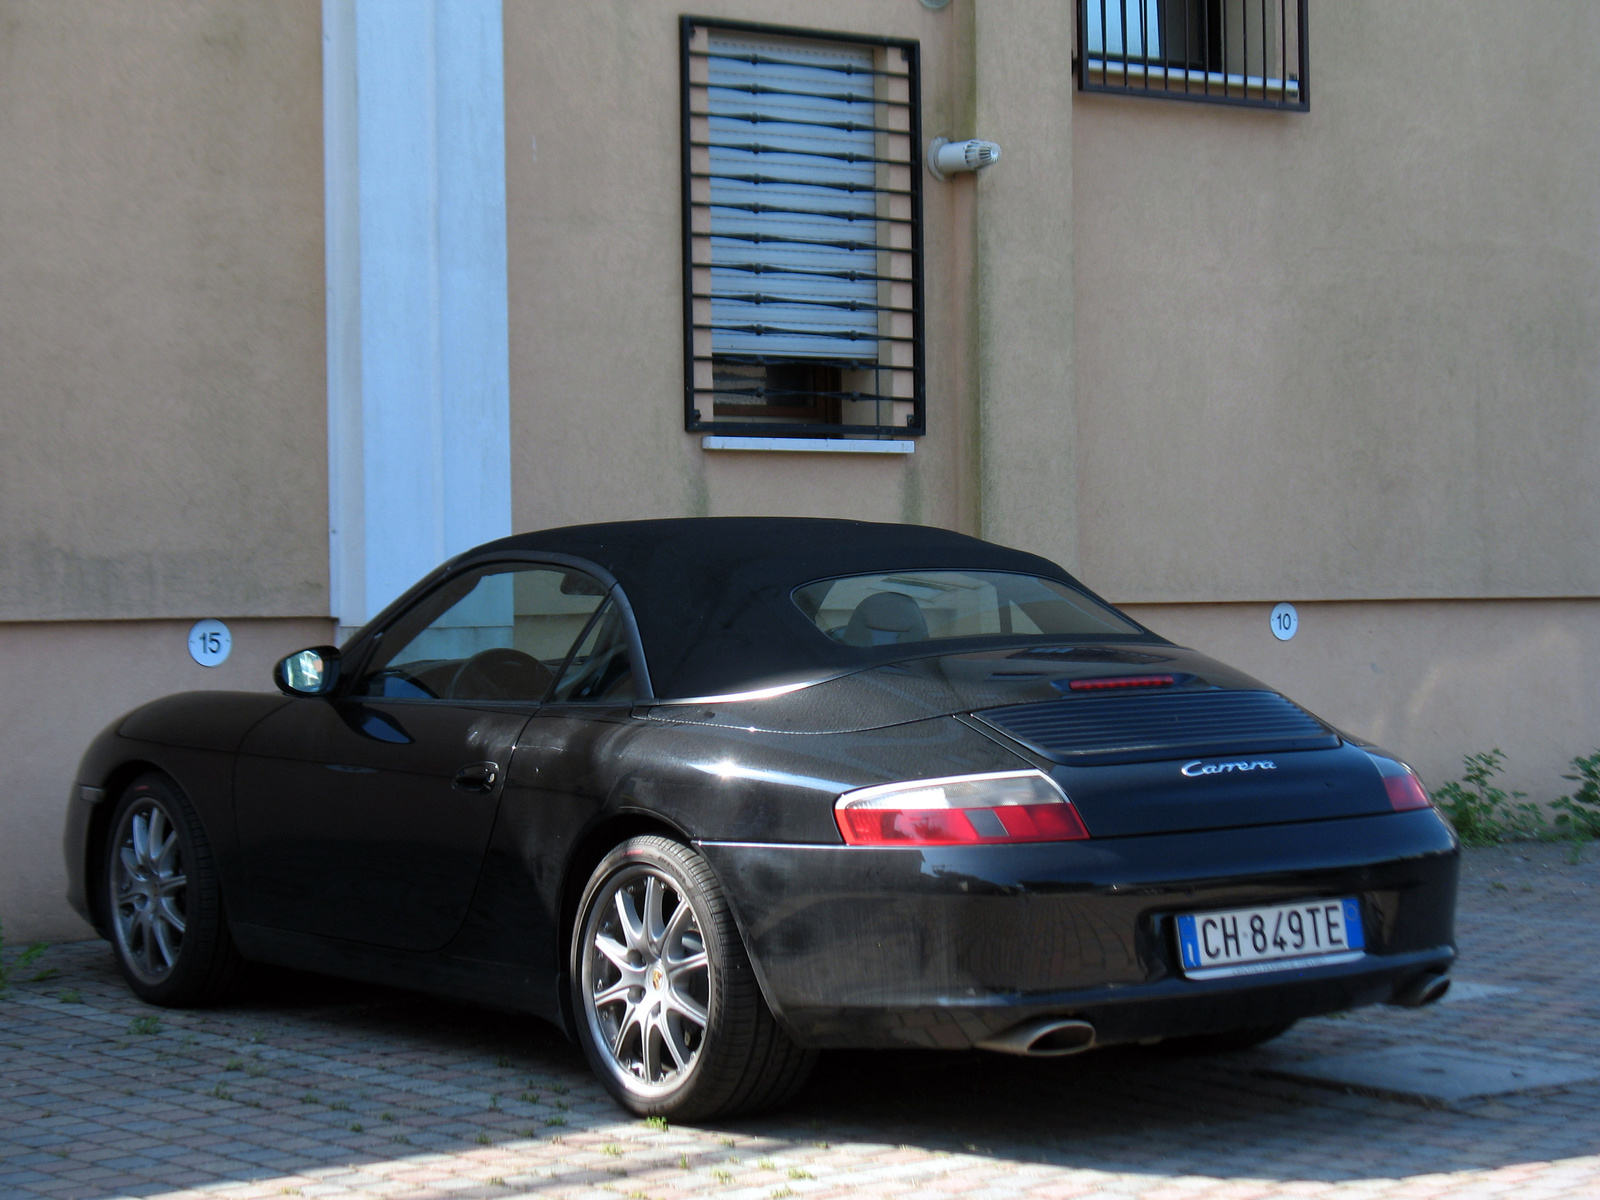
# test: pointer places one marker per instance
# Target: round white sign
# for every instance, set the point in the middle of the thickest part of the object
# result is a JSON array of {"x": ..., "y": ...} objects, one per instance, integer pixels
[
  {"x": 210, "y": 642},
  {"x": 1284, "y": 621}
]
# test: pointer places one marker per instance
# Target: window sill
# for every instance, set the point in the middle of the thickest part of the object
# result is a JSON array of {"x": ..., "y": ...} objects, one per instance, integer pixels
[
  {"x": 1116, "y": 74},
  {"x": 717, "y": 441}
]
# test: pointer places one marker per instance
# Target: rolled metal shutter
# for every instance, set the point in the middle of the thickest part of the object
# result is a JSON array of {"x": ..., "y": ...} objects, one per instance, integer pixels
[{"x": 793, "y": 205}]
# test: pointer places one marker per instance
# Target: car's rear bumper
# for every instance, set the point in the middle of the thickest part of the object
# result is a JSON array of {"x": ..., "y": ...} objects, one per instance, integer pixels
[{"x": 947, "y": 946}]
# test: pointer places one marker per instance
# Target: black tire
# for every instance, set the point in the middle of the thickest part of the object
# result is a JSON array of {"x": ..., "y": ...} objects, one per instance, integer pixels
[
  {"x": 163, "y": 901},
  {"x": 1225, "y": 1042},
  {"x": 675, "y": 1039}
]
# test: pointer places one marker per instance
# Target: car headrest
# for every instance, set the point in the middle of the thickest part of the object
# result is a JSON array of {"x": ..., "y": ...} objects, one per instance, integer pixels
[{"x": 883, "y": 619}]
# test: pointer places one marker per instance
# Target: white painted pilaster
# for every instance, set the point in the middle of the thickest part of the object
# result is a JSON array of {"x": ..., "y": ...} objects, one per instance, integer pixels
[{"x": 419, "y": 422}]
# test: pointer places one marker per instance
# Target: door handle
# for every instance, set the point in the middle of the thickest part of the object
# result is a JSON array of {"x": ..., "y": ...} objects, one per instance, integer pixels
[{"x": 478, "y": 777}]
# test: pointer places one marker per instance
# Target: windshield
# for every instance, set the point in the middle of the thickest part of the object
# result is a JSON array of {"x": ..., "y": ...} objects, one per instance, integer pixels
[{"x": 921, "y": 606}]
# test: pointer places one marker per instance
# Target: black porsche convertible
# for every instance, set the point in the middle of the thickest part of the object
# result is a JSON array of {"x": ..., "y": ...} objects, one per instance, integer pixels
[{"x": 712, "y": 795}]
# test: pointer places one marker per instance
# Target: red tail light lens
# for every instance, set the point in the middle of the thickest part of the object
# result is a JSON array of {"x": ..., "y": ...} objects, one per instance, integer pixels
[
  {"x": 1120, "y": 681},
  {"x": 1400, "y": 781},
  {"x": 961, "y": 810}
]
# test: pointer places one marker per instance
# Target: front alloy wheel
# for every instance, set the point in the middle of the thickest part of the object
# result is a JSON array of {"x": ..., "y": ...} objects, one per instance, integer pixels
[
  {"x": 149, "y": 891},
  {"x": 667, "y": 1005},
  {"x": 163, "y": 900}
]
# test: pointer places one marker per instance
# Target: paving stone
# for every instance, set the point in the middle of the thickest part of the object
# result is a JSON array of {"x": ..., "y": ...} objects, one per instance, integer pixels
[
  {"x": 213, "y": 1104},
  {"x": 1440, "y": 1074}
]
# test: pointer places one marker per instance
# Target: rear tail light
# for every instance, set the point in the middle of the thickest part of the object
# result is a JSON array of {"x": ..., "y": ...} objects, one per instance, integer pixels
[
  {"x": 961, "y": 810},
  {"x": 1400, "y": 781},
  {"x": 1121, "y": 681}
]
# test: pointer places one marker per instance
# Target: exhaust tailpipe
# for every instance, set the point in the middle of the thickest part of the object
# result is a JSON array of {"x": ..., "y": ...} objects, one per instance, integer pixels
[
  {"x": 1427, "y": 990},
  {"x": 1048, "y": 1037}
]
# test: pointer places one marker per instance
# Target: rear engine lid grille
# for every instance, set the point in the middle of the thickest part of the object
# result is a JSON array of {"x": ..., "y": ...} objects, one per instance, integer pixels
[
  {"x": 1097, "y": 730},
  {"x": 1095, "y": 654}
]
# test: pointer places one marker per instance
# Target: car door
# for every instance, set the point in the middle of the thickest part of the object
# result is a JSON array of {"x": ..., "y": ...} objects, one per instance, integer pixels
[{"x": 365, "y": 815}]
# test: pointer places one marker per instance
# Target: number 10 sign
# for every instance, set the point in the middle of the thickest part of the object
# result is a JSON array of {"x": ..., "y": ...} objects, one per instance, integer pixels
[{"x": 1284, "y": 621}]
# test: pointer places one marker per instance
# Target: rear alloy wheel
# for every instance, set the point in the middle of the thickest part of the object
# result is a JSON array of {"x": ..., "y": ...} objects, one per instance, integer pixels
[
  {"x": 668, "y": 1009},
  {"x": 163, "y": 901}
]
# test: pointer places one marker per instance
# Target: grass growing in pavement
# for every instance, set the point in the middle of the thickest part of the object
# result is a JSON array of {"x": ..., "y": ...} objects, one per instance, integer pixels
[{"x": 20, "y": 962}]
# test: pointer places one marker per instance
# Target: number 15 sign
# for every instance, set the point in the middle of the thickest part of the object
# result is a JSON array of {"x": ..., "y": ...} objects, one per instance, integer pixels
[{"x": 210, "y": 642}]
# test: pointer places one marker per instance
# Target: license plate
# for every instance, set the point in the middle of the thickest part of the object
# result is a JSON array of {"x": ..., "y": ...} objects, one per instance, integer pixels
[{"x": 1278, "y": 937}]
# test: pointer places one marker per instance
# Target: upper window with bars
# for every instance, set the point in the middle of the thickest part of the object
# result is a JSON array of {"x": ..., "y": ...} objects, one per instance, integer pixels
[
  {"x": 1248, "y": 52},
  {"x": 802, "y": 233}
]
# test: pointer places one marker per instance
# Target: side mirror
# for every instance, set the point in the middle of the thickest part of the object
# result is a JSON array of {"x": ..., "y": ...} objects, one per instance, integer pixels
[{"x": 312, "y": 672}]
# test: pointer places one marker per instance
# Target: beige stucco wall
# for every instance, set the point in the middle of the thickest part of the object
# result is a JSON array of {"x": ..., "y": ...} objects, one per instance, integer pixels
[
  {"x": 1430, "y": 680},
  {"x": 1352, "y": 353},
  {"x": 1026, "y": 431},
  {"x": 594, "y": 241},
  {"x": 60, "y": 684},
  {"x": 161, "y": 315},
  {"x": 1213, "y": 358}
]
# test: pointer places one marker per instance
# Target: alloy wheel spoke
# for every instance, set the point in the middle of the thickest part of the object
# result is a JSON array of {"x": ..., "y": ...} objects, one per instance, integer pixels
[
  {"x": 683, "y": 966},
  {"x": 672, "y": 1036},
  {"x": 145, "y": 941},
  {"x": 632, "y": 926},
  {"x": 163, "y": 938},
  {"x": 156, "y": 834},
  {"x": 680, "y": 923},
  {"x": 167, "y": 854},
  {"x": 616, "y": 954},
  {"x": 617, "y": 991},
  {"x": 630, "y": 1018},
  {"x": 651, "y": 1038},
  {"x": 173, "y": 884},
  {"x": 686, "y": 1005},
  {"x": 139, "y": 830},
  {"x": 654, "y": 923},
  {"x": 130, "y": 864},
  {"x": 167, "y": 911}
]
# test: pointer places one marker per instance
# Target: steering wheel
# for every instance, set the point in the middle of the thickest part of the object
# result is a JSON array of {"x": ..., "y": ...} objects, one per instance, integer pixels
[{"x": 500, "y": 673}]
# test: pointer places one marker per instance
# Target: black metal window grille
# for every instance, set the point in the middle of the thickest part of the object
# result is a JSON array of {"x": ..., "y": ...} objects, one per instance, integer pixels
[
  {"x": 1248, "y": 52},
  {"x": 802, "y": 210}
]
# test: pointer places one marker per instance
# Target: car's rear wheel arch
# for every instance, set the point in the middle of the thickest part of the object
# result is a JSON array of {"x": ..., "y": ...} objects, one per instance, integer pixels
[
  {"x": 742, "y": 1060},
  {"x": 594, "y": 845}
]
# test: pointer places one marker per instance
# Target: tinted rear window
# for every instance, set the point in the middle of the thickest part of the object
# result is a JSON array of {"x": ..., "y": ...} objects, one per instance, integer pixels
[{"x": 922, "y": 606}]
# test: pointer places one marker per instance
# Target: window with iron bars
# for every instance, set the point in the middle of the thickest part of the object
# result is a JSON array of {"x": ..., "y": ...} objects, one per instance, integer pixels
[
  {"x": 802, "y": 211},
  {"x": 1246, "y": 52}
]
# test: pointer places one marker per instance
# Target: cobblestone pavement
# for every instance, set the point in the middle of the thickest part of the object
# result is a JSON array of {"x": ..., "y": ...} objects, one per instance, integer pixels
[{"x": 318, "y": 1088}]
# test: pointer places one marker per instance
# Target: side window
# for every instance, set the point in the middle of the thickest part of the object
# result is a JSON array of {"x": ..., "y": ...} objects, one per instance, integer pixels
[
  {"x": 600, "y": 668},
  {"x": 1250, "y": 52},
  {"x": 499, "y": 633}
]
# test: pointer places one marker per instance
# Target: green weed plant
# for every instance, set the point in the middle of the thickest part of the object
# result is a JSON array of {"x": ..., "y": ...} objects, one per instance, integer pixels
[
  {"x": 1578, "y": 813},
  {"x": 1485, "y": 814},
  {"x": 1482, "y": 813}
]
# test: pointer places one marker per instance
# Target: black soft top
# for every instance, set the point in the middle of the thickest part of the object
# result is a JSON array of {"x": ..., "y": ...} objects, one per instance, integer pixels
[{"x": 711, "y": 595}]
